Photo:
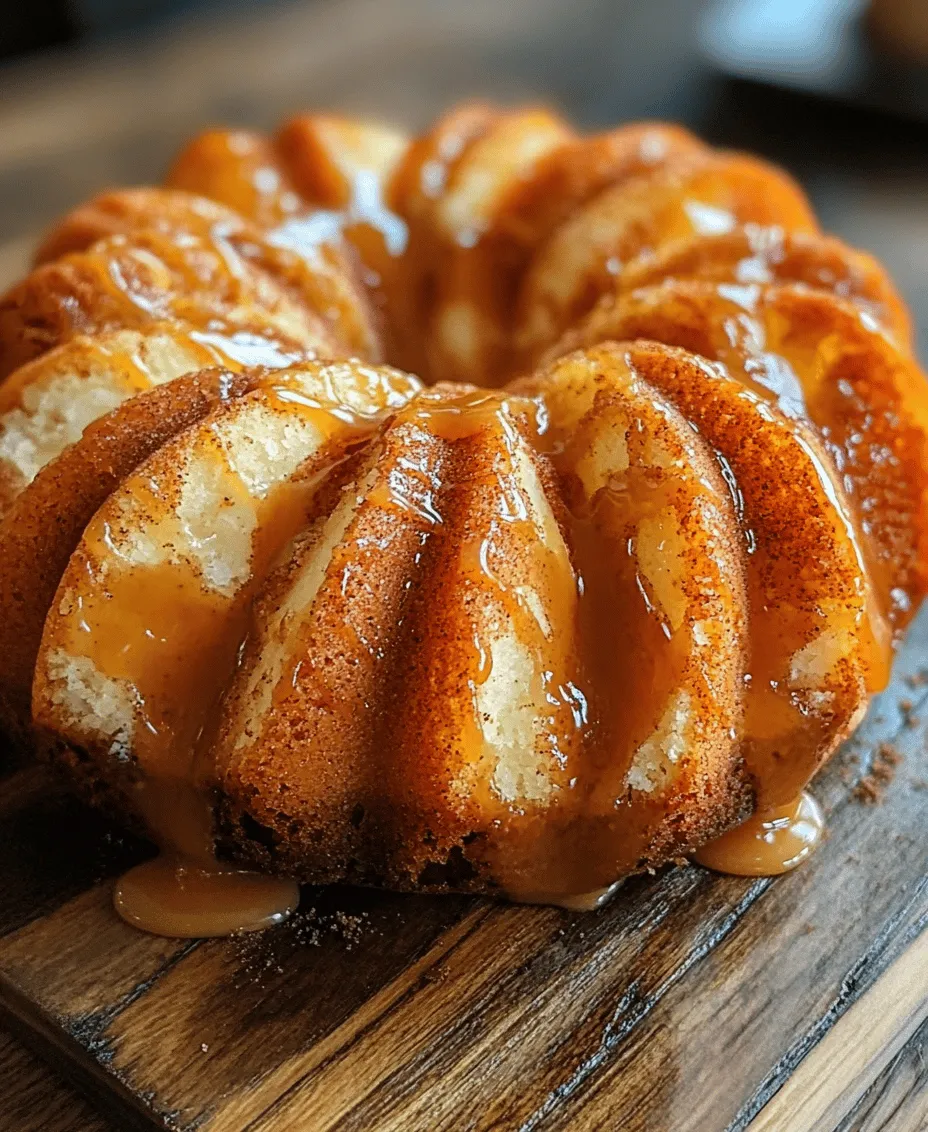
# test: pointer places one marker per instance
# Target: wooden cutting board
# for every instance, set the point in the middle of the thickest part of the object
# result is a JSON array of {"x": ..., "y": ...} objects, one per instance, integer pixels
[
  {"x": 685, "y": 1005},
  {"x": 695, "y": 1003}
]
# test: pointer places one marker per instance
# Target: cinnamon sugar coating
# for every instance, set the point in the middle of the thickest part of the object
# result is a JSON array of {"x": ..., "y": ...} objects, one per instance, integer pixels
[{"x": 630, "y": 568}]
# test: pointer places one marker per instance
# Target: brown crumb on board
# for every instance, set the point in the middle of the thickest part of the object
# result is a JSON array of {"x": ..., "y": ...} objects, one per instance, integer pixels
[
  {"x": 436, "y": 974},
  {"x": 918, "y": 679},
  {"x": 872, "y": 786},
  {"x": 868, "y": 791}
]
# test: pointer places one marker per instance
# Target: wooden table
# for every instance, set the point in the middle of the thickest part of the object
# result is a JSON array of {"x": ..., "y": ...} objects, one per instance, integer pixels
[{"x": 814, "y": 990}]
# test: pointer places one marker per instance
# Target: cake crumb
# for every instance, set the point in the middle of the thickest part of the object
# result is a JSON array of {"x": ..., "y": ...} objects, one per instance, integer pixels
[
  {"x": 436, "y": 974},
  {"x": 350, "y": 928},
  {"x": 872, "y": 786},
  {"x": 868, "y": 791},
  {"x": 909, "y": 719}
]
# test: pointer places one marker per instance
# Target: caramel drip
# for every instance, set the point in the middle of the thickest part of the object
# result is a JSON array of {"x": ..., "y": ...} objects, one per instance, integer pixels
[
  {"x": 185, "y": 892},
  {"x": 586, "y": 594},
  {"x": 693, "y": 195},
  {"x": 379, "y": 235},
  {"x": 569, "y": 588},
  {"x": 824, "y": 361},
  {"x": 819, "y": 635},
  {"x": 582, "y": 902},
  {"x": 629, "y": 662},
  {"x": 174, "y": 641},
  {"x": 172, "y": 897},
  {"x": 769, "y": 843}
]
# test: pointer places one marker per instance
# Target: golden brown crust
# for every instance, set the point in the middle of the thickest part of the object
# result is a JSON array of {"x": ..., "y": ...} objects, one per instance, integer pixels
[
  {"x": 520, "y": 642},
  {"x": 43, "y": 527},
  {"x": 806, "y": 582},
  {"x": 819, "y": 358},
  {"x": 131, "y": 283},
  {"x": 237, "y": 168},
  {"x": 322, "y": 277},
  {"x": 691, "y": 194},
  {"x": 426, "y": 610},
  {"x": 755, "y": 254},
  {"x": 324, "y": 153}
]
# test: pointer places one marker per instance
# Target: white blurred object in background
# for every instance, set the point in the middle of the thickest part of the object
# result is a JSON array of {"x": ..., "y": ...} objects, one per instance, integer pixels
[{"x": 811, "y": 40}]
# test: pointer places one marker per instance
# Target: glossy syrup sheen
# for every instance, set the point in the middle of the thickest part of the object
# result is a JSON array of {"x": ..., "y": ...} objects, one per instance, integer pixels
[
  {"x": 605, "y": 699},
  {"x": 476, "y": 499},
  {"x": 770, "y": 842},
  {"x": 174, "y": 897},
  {"x": 249, "y": 173},
  {"x": 175, "y": 642},
  {"x": 826, "y": 362},
  {"x": 605, "y": 659},
  {"x": 568, "y": 585}
]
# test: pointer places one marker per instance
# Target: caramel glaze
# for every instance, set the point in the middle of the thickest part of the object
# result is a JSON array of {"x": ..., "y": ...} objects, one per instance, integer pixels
[
  {"x": 770, "y": 842},
  {"x": 541, "y": 719},
  {"x": 509, "y": 191},
  {"x": 807, "y": 582},
  {"x": 240, "y": 169},
  {"x": 46, "y": 403},
  {"x": 555, "y": 635},
  {"x": 687, "y": 197},
  {"x": 171, "y": 897},
  {"x": 472, "y": 510},
  {"x": 319, "y": 197},
  {"x": 38, "y": 536},
  {"x": 246, "y": 263},
  {"x": 474, "y": 259},
  {"x": 319, "y": 273},
  {"x": 821, "y": 358},
  {"x": 755, "y": 254},
  {"x": 129, "y": 283},
  {"x": 171, "y": 641}
]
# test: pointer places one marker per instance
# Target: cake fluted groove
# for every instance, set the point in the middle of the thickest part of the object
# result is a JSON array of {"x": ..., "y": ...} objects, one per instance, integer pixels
[{"x": 624, "y": 563}]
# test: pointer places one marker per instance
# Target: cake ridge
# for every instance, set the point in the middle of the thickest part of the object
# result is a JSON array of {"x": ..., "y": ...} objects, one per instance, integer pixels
[{"x": 629, "y": 568}]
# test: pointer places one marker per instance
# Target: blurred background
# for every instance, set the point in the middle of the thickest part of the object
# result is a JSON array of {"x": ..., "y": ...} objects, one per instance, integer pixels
[{"x": 102, "y": 92}]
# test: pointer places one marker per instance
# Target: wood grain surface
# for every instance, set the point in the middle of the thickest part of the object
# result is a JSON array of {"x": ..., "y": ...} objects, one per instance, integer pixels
[
  {"x": 686, "y": 1004},
  {"x": 694, "y": 1003}
]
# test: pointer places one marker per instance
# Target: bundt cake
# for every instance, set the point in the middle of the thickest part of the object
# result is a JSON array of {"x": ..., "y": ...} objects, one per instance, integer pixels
[{"x": 619, "y": 569}]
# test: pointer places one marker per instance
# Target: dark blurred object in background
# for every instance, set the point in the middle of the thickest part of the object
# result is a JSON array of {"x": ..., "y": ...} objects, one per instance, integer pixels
[
  {"x": 28, "y": 25},
  {"x": 101, "y": 16},
  {"x": 39, "y": 23},
  {"x": 902, "y": 26}
]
